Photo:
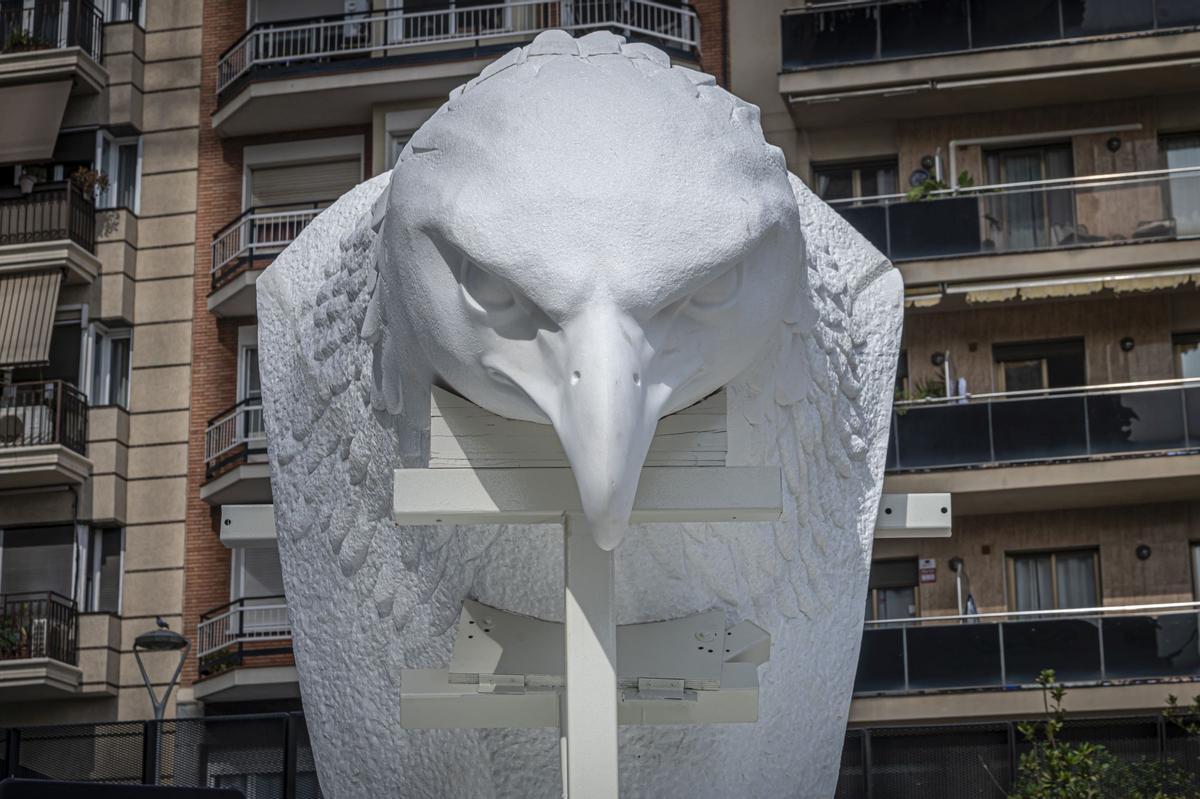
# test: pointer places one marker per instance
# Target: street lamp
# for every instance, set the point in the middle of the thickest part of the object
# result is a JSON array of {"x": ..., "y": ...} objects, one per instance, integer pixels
[{"x": 161, "y": 640}]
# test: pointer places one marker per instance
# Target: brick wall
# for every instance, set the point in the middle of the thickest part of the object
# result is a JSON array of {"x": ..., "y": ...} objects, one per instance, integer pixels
[{"x": 713, "y": 38}]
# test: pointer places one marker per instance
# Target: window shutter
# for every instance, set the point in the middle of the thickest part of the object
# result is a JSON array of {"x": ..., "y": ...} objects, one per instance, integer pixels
[
  {"x": 894, "y": 573},
  {"x": 37, "y": 560},
  {"x": 262, "y": 575},
  {"x": 297, "y": 184}
]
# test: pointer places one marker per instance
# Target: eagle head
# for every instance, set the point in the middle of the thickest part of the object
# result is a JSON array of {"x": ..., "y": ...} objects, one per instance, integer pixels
[{"x": 588, "y": 237}]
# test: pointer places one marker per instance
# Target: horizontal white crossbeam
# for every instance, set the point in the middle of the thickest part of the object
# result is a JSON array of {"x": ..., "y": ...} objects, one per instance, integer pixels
[
  {"x": 543, "y": 495},
  {"x": 910, "y": 516}
]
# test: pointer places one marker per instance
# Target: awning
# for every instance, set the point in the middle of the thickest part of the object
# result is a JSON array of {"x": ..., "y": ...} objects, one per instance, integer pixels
[
  {"x": 27, "y": 303},
  {"x": 33, "y": 113}
]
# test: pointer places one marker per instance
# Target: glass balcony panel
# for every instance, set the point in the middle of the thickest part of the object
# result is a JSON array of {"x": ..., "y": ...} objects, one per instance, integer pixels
[
  {"x": 1038, "y": 428},
  {"x": 954, "y": 656},
  {"x": 933, "y": 228},
  {"x": 830, "y": 37},
  {"x": 1172, "y": 13},
  {"x": 1167, "y": 645},
  {"x": 944, "y": 435},
  {"x": 1136, "y": 421},
  {"x": 1069, "y": 646},
  {"x": 1013, "y": 22},
  {"x": 891, "y": 462},
  {"x": 1100, "y": 17},
  {"x": 869, "y": 220},
  {"x": 1191, "y": 399},
  {"x": 880, "y": 661},
  {"x": 921, "y": 28}
]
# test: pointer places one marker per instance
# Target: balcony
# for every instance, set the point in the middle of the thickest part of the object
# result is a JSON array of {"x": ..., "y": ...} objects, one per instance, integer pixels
[
  {"x": 39, "y": 655},
  {"x": 409, "y": 55},
  {"x": 43, "y": 435},
  {"x": 51, "y": 228},
  {"x": 245, "y": 247},
  {"x": 1059, "y": 448},
  {"x": 1003, "y": 652},
  {"x": 235, "y": 457},
  {"x": 1041, "y": 228},
  {"x": 876, "y": 58},
  {"x": 252, "y": 632}
]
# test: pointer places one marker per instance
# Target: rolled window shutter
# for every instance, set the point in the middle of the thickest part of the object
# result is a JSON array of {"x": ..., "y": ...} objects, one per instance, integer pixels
[
  {"x": 263, "y": 574},
  {"x": 37, "y": 560},
  {"x": 296, "y": 184}
]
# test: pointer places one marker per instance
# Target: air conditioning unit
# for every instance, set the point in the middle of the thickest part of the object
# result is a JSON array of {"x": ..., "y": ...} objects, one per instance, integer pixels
[
  {"x": 355, "y": 30},
  {"x": 25, "y": 426},
  {"x": 37, "y": 638}
]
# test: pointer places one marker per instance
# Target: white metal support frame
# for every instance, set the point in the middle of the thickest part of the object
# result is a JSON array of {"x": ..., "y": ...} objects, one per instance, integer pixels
[{"x": 533, "y": 495}]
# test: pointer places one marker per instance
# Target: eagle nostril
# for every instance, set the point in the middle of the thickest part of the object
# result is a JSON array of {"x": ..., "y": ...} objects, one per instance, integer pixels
[
  {"x": 637, "y": 379},
  {"x": 575, "y": 377}
]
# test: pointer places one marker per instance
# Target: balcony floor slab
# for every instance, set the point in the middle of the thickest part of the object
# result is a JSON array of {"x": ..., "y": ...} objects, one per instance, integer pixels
[
  {"x": 243, "y": 684},
  {"x": 238, "y": 297},
  {"x": 80, "y": 266},
  {"x": 1052, "y": 486},
  {"x": 38, "y": 678},
  {"x": 33, "y": 467},
  {"x": 245, "y": 484}
]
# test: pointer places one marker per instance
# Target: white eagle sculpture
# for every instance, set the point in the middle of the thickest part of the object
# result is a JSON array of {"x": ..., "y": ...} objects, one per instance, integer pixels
[{"x": 589, "y": 237}]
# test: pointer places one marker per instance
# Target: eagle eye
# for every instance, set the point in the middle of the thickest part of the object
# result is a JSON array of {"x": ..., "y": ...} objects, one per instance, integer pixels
[
  {"x": 484, "y": 291},
  {"x": 718, "y": 293}
]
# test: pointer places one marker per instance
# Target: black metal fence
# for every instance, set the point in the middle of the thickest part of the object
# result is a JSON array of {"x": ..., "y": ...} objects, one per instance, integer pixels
[
  {"x": 265, "y": 756},
  {"x": 41, "y": 413},
  {"x": 49, "y": 24},
  {"x": 38, "y": 625},
  {"x": 52, "y": 211}
]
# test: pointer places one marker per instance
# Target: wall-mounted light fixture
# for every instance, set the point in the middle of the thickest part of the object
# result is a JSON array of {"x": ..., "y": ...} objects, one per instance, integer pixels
[
  {"x": 1113, "y": 144},
  {"x": 1127, "y": 344}
]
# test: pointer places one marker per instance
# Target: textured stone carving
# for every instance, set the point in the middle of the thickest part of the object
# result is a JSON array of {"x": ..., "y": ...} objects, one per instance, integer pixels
[{"x": 587, "y": 236}]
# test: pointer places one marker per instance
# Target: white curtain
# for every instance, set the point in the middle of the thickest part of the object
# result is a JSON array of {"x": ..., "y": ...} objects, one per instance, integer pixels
[
  {"x": 1076, "y": 574},
  {"x": 1034, "y": 588}
]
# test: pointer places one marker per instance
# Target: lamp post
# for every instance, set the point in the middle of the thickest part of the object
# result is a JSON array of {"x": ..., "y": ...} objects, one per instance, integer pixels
[{"x": 160, "y": 640}]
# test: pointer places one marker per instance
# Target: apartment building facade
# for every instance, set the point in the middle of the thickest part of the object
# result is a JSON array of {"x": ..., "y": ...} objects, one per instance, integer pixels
[
  {"x": 1031, "y": 169},
  {"x": 98, "y": 149},
  {"x": 299, "y": 103}
]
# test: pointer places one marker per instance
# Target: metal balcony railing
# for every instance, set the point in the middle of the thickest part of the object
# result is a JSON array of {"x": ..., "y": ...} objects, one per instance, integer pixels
[
  {"x": 38, "y": 625},
  {"x": 233, "y": 436},
  {"x": 1009, "y": 650},
  {"x": 51, "y": 24},
  {"x": 1096, "y": 210},
  {"x": 253, "y": 239},
  {"x": 1150, "y": 417},
  {"x": 51, "y": 212},
  {"x": 38, "y": 414},
  {"x": 395, "y": 32},
  {"x": 224, "y": 632},
  {"x": 857, "y": 31}
]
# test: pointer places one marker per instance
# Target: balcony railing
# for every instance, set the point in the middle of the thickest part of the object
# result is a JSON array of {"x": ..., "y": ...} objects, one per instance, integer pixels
[
  {"x": 38, "y": 625},
  {"x": 253, "y": 239},
  {"x": 1151, "y": 417},
  {"x": 1097, "y": 210},
  {"x": 49, "y": 213},
  {"x": 50, "y": 25},
  {"x": 858, "y": 31},
  {"x": 234, "y": 436},
  {"x": 38, "y": 414},
  {"x": 395, "y": 32},
  {"x": 230, "y": 633},
  {"x": 1009, "y": 650}
]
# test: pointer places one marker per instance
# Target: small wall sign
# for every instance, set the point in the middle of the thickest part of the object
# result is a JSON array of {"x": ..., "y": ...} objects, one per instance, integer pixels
[{"x": 928, "y": 570}]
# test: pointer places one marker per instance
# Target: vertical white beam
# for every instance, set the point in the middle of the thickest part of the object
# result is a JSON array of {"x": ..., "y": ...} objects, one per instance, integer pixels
[{"x": 591, "y": 655}]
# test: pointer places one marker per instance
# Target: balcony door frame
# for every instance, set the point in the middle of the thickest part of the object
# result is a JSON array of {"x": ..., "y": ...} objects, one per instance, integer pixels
[{"x": 1010, "y": 579}]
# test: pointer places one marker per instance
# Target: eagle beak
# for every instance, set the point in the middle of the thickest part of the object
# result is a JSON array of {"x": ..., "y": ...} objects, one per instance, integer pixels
[{"x": 606, "y": 415}]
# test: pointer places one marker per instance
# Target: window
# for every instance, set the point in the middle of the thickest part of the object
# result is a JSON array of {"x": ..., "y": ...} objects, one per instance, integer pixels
[
  {"x": 121, "y": 161},
  {"x": 1053, "y": 580},
  {"x": 396, "y": 143},
  {"x": 1182, "y": 152},
  {"x": 37, "y": 560},
  {"x": 257, "y": 578},
  {"x": 249, "y": 383},
  {"x": 106, "y": 548},
  {"x": 861, "y": 179},
  {"x": 111, "y": 350},
  {"x": 1187, "y": 354},
  {"x": 892, "y": 592},
  {"x": 126, "y": 11},
  {"x": 902, "y": 376},
  {"x": 66, "y": 351},
  {"x": 1030, "y": 219},
  {"x": 308, "y": 184},
  {"x": 1036, "y": 365}
]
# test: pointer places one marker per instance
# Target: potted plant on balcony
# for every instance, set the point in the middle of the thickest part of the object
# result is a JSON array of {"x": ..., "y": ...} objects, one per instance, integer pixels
[
  {"x": 31, "y": 176},
  {"x": 90, "y": 181},
  {"x": 11, "y": 637}
]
